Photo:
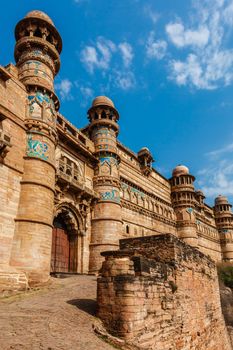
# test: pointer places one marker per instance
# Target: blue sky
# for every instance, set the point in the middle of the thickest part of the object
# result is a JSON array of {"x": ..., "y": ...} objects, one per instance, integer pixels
[{"x": 167, "y": 65}]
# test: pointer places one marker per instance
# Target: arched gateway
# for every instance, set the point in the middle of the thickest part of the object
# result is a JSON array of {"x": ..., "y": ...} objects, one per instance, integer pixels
[{"x": 65, "y": 252}]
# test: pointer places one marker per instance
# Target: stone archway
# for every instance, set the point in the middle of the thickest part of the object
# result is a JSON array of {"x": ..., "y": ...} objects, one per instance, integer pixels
[{"x": 67, "y": 226}]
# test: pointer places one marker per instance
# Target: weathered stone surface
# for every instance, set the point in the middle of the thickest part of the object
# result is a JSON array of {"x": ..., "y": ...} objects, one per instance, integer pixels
[
  {"x": 159, "y": 293},
  {"x": 58, "y": 317}
]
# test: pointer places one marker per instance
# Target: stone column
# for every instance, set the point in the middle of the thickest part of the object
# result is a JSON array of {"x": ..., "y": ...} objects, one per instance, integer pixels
[{"x": 107, "y": 218}]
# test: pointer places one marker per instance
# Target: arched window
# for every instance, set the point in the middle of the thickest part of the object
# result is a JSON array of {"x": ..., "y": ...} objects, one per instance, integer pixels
[{"x": 38, "y": 33}]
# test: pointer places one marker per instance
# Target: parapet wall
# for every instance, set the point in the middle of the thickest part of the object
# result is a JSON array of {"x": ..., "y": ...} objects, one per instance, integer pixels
[{"x": 158, "y": 293}]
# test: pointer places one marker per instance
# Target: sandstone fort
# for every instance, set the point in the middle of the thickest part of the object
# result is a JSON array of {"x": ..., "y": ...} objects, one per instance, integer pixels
[{"x": 77, "y": 201}]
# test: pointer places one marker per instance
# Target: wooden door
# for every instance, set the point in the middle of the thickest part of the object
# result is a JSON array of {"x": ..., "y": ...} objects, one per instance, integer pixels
[{"x": 60, "y": 259}]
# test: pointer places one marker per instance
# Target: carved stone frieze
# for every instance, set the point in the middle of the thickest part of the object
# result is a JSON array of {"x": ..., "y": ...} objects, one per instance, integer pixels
[{"x": 148, "y": 213}]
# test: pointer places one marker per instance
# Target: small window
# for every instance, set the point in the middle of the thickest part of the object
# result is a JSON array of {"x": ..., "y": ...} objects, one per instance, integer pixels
[
  {"x": 103, "y": 115},
  {"x": 127, "y": 229},
  {"x": 68, "y": 172},
  {"x": 96, "y": 116},
  {"x": 38, "y": 33}
]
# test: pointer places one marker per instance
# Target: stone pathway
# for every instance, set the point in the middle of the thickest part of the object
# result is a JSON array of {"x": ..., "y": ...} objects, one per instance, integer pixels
[{"x": 58, "y": 317}]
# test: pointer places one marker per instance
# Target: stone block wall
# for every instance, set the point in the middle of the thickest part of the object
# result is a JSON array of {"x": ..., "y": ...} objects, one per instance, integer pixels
[{"x": 158, "y": 293}]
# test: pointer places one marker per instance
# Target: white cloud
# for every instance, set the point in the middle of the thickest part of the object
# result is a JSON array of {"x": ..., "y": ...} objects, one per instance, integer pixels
[
  {"x": 188, "y": 72},
  {"x": 101, "y": 55},
  {"x": 181, "y": 37},
  {"x": 155, "y": 49},
  {"x": 154, "y": 16},
  {"x": 86, "y": 93},
  {"x": 107, "y": 56},
  {"x": 98, "y": 57},
  {"x": 125, "y": 80},
  {"x": 228, "y": 13},
  {"x": 216, "y": 153},
  {"x": 126, "y": 52},
  {"x": 64, "y": 89},
  {"x": 208, "y": 63},
  {"x": 217, "y": 179}
]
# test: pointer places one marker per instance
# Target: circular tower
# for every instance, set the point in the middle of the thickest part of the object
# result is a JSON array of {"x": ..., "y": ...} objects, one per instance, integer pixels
[
  {"x": 183, "y": 201},
  {"x": 37, "y": 49},
  {"x": 106, "y": 221},
  {"x": 224, "y": 223}
]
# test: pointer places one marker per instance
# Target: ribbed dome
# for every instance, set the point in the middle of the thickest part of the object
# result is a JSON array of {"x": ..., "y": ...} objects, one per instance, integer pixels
[
  {"x": 221, "y": 200},
  {"x": 39, "y": 14},
  {"x": 102, "y": 101},
  {"x": 180, "y": 170}
]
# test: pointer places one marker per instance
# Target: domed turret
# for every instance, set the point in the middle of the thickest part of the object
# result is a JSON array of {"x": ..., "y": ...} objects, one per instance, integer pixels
[
  {"x": 180, "y": 170},
  {"x": 224, "y": 223},
  {"x": 103, "y": 130},
  {"x": 200, "y": 193},
  {"x": 103, "y": 112},
  {"x": 145, "y": 159},
  {"x": 102, "y": 101},
  {"x": 37, "y": 49},
  {"x": 144, "y": 150},
  {"x": 182, "y": 187},
  {"x": 183, "y": 201},
  {"x": 221, "y": 200},
  {"x": 103, "y": 116},
  {"x": 39, "y": 15},
  {"x": 200, "y": 197},
  {"x": 223, "y": 214}
]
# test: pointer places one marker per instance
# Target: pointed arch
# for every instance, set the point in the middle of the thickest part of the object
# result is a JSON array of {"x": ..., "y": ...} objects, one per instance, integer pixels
[{"x": 67, "y": 239}]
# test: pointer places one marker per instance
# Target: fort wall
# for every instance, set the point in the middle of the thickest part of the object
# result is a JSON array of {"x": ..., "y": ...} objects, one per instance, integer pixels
[{"x": 159, "y": 293}]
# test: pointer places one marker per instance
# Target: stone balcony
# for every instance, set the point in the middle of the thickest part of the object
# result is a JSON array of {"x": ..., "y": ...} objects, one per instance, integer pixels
[{"x": 67, "y": 175}]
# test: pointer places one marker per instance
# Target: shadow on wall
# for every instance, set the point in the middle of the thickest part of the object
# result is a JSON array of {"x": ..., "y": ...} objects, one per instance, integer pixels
[{"x": 87, "y": 305}]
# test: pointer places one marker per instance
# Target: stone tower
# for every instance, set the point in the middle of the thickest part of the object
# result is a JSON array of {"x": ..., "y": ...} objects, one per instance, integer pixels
[
  {"x": 183, "y": 201},
  {"x": 38, "y": 45},
  {"x": 224, "y": 223},
  {"x": 106, "y": 220}
]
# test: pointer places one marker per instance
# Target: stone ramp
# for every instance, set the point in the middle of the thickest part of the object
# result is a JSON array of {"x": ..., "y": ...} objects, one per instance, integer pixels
[{"x": 58, "y": 317}]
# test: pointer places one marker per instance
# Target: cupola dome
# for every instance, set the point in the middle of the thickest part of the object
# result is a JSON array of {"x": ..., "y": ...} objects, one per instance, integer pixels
[
  {"x": 180, "y": 170},
  {"x": 39, "y": 14},
  {"x": 102, "y": 101}
]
